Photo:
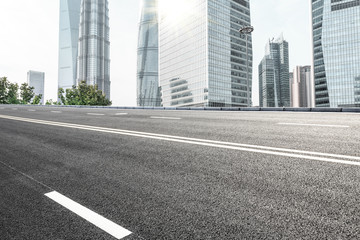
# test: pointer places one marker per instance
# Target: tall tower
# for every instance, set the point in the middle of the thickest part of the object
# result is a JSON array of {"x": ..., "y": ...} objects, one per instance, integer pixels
[
  {"x": 336, "y": 55},
  {"x": 274, "y": 75},
  {"x": 37, "y": 80},
  {"x": 301, "y": 87},
  {"x": 148, "y": 91},
  {"x": 203, "y": 58},
  {"x": 94, "y": 45},
  {"x": 68, "y": 42}
]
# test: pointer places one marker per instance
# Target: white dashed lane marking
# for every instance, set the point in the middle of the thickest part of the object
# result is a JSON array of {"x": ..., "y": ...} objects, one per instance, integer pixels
[
  {"x": 117, "y": 114},
  {"x": 106, "y": 225},
  {"x": 314, "y": 125},
  {"x": 96, "y": 114},
  {"x": 169, "y": 118}
]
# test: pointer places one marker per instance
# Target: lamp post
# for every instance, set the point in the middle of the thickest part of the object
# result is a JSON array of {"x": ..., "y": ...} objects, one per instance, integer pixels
[{"x": 247, "y": 30}]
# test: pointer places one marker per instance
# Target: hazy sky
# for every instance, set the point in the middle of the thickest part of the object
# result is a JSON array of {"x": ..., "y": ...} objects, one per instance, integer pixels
[{"x": 29, "y": 40}]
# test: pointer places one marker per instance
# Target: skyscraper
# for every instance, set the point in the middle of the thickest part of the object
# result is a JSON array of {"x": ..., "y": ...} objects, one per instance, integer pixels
[
  {"x": 202, "y": 56},
  {"x": 94, "y": 45},
  {"x": 301, "y": 87},
  {"x": 336, "y": 52},
  {"x": 37, "y": 80},
  {"x": 68, "y": 42},
  {"x": 274, "y": 89},
  {"x": 148, "y": 91}
]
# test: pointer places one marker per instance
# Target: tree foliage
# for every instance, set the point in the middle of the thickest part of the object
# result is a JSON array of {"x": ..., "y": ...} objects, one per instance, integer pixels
[
  {"x": 37, "y": 99},
  {"x": 4, "y": 83},
  {"x": 83, "y": 94},
  {"x": 9, "y": 93},
  {"x": 12, "y": 95},
  {"x": 26, "y": 93}
]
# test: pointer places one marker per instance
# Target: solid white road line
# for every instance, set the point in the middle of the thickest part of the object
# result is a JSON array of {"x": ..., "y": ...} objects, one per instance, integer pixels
[
  {"x": 170, "y": 118},
  {"x": 325, "y": 157},
  {"x": 14, "y": 109},
  {"x": 56, "y": 111},
  {"x": 121, "y": 114},
  {"x": 96, "y": 114},
  {"x": 31, "y": 110},
  {"x": 108, "y": 226},
  {"x": 314, "y": 125}
]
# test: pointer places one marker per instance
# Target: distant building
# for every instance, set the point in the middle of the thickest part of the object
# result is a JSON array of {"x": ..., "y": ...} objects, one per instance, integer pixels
[
  {"x": 69, "y": 19},
  {"x": 301, "y": 87},
  {"x": 94, "y": 45},
  {"x": 37, "y": 80},
  {"x": 274, "y": 89},
  {"x": 148, "y": 90},
  {"x": 203, "y": 60},
  {"x": 336, "y": 55}
]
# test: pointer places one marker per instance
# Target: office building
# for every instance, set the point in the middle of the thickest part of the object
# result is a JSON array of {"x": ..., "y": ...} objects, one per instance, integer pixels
[
  {"x": 336, "y": 52},
  {"x": 301, "y": 87},
  {"x": 68, "y": 42},
  {"x": 274, "y": 89},
  {"x": 203, "y": 59},
  {"x": 94, "y": 45},
  {"x": 148, "y": 90},
  {"x": 37, "y": 80}
]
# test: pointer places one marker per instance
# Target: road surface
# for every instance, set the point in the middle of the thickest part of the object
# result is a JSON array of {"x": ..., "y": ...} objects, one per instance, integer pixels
[{"x": 81, "y": 173}]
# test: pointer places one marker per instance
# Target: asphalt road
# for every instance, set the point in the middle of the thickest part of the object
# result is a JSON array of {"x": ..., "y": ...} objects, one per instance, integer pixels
[{"x": 179, "y": 174}]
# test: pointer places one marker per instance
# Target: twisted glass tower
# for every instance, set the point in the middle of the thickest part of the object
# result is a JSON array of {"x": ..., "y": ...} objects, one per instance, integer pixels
[
  {"x": 336, "y": 52},
  {"x": 94, "y": 45},
  {"x": 68, "y": 42},
  {"x": 148, "y": 91},
  {"x": 204, "y": 61}
]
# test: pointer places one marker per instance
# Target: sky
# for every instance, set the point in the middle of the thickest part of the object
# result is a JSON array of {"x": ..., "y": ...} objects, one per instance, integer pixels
[{"x": 30, "y": 31}]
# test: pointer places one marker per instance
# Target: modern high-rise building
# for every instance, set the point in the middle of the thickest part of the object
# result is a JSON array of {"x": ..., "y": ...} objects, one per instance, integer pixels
[
  {"x": 148, "y": 90},
  {"x": 274, "y": 89},
  {"x": 94, "y": 45},
  {"x": 68, "y": 42},
  {"x": 336, "y": 52},
  {"x": 301, "y": 87},
  {"x": 203, "y": 58},
  {"x": 37, "y": 80}
]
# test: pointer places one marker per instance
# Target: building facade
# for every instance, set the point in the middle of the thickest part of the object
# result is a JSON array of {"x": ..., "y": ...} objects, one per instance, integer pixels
[
  {"x": 202, "y": 55},
  {"x": 94, "y": 45},
  {"x": 301, "y": 87},
  {"x": 37, "y": 80},
  {"x": 68, "y": 42},
  {"x": 274, "y": 89},
  {"x": 336, "y": 52},
  {"x": 148, "y": 90}
]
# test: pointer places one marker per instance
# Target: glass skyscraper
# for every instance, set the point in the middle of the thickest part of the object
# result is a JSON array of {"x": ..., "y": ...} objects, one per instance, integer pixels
[
  {"x": 68, "y": 42},
  {"x": 336, "y": 52},
  {"x": 37, "y": 80},
  {"x": 301, "y": 87},
  {"x": 148, "y": 91},
  {"x": 274, "y": 89},
  {"x": 202, "y": 56},
  {"x": 94, "y": 45}
]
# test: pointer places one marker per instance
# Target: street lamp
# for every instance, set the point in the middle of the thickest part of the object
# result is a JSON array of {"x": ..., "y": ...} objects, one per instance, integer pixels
[{"x": 246, "y": 30}]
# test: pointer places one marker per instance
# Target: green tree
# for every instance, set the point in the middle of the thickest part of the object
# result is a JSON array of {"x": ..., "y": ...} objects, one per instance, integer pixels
[
  {"x": 26, "y": 93},
  {"x": 83, "y": 94},
  {"x": 12, "y": 94},
  {"x": 4, "y": 83},
  {"x": 37, "y": 99}
]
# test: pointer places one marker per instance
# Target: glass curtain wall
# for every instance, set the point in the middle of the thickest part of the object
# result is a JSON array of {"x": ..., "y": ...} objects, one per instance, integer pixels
[
  {"x": 148, "y": 90},
  {"x": 94, "y": 45},
  {"x": 336, "y": 52},
  {"x": 69, "y": 19},
  {"x": 203, "y": 60}
]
